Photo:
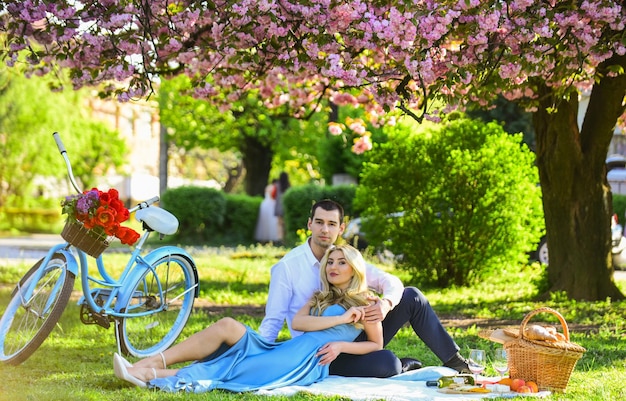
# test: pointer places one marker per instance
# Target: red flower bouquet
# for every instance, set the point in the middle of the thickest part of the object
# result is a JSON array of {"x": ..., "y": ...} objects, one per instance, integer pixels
[{"x": 100, "y": 212}]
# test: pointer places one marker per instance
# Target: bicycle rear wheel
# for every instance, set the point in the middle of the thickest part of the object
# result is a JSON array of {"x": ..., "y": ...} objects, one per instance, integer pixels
[
  {"x": 26, "y": 323},
  {"x": 168, "y": 289}
]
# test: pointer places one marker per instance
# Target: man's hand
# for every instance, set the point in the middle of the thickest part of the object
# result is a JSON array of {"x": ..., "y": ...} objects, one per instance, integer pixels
[{"x": 377, "y": 310}]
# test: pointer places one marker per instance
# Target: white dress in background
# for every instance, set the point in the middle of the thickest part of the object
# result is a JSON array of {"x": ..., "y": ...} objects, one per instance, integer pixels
[{"x": 267, "y": 223}]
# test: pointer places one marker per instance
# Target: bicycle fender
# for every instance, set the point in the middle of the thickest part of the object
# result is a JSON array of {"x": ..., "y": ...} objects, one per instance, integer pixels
[
  {"x": 163, "y": 251},
  {"x": 72, "y": 264}
]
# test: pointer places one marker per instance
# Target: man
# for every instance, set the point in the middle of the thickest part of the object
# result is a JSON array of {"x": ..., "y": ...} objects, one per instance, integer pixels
[{"x": 296, "y": 277}]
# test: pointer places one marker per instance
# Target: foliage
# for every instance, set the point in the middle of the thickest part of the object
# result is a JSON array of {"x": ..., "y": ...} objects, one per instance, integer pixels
[
  {"x": 100, "y": 212},
  {"x": 29, "y": 114},
  {"x": 200, "y": 211},
  {"x": 513, "y": 118},
  {"x": 258, "y": 133},
  {"x": 336, "y": 150},
  {"x": 619, "y": 208},
  {"x": 469, "y": 197}
]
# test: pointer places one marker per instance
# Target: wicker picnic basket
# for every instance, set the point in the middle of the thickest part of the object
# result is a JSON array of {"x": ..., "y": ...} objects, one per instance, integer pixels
[
  {"x": 84, "y": 239},
  {"x": 547, "y": 363}
]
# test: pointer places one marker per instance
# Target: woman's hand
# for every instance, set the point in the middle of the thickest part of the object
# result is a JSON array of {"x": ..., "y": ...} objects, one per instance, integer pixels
[
  {"x": 354, "y": 314},
  {"x": 329, "y": 352}
]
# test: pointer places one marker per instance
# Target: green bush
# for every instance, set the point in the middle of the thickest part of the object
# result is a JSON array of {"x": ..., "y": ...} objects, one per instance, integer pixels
[
  {"x": 469, "y": 195},
  {"x": 200, "y": 212},
  {"x": 297, "y": 202},
  {"x": 242, "y": 212},
  {"x": 619, "y": 207}
]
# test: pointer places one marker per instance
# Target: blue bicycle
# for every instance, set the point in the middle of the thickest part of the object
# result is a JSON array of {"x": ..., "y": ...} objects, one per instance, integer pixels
[{"x": 148, "y": 304}]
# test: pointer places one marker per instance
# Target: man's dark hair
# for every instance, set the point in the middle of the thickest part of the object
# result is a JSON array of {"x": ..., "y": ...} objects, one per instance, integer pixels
[{"x": 328, "y": 205}]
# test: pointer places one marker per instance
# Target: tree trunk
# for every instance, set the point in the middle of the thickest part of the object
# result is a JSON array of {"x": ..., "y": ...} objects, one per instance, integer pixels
[
  {"x": 257, "y": 160},
  {"x": 576, "y": 194}
]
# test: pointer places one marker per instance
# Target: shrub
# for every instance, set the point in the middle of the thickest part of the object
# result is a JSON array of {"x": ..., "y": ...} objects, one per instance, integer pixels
[
  {"x": 200, "y": 211},
  {"x": 619, "y": 207},
  {"x": 469, "y": 195},
  {"x": 242, "y": 212}
]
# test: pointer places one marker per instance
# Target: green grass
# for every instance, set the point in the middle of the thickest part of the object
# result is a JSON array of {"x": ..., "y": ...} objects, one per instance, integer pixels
[{"x": 74, "y": 363}]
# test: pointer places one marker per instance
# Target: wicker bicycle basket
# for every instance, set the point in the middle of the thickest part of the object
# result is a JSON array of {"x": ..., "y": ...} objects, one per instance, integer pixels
[
  {"x": 549, "y": 364},
  {"x": 84, "y": 239}
]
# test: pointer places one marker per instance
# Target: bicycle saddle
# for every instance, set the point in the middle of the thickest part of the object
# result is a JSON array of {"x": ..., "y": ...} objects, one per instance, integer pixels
[{"x": 157, "y": 219}]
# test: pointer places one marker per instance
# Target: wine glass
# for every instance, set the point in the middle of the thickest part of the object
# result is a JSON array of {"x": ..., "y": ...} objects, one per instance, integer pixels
[
  {"x": 500, "y": 361},
  {"x": 476, "y": 362}
]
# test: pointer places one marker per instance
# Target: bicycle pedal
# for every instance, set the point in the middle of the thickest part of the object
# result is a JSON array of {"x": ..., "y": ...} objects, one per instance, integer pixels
[{"x": 88, "y": 316}]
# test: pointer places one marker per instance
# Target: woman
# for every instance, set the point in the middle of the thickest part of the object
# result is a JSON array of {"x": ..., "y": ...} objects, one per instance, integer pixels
[
  {"x": 282, "y": 186},
  {"x": 331, "y": 321},
  {"x": 267, "y": 223}
]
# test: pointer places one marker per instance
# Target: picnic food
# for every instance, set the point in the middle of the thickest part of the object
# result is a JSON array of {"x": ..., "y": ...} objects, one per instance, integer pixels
[{"x": 537, "y": 332}]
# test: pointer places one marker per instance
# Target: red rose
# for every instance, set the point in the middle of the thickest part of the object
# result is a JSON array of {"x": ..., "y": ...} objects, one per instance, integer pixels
[{"x": 105, "y": 218}]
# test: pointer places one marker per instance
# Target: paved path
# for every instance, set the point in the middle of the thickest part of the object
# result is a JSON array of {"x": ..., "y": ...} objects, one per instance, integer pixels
[{"x": 32, "y": 247}]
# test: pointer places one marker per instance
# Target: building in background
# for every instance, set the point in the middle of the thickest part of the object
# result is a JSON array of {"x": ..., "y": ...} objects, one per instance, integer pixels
[{"x": 138, "y": 123}]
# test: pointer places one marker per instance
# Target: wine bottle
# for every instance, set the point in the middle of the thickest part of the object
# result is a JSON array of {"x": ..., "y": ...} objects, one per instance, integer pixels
[{"x": 445, "y": 381}]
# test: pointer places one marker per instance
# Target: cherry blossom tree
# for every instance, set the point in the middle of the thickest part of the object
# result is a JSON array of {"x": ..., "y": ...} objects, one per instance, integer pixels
[{"x": 384, "y": 56}]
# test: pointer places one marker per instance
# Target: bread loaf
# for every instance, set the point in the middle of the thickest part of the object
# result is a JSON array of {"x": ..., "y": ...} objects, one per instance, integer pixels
[{"x": 541, "y": 333}]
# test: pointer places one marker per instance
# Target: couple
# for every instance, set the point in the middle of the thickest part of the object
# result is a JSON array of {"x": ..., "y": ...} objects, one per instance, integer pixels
[{"x": 325, "y": 328}]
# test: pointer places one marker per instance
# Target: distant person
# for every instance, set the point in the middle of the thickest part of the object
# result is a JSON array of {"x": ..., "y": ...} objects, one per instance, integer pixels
[
  {"x": 295, "y": 277},
  {"x": 267, "y": 222},
  {"x": 332, "y": 318},
  {"x": 282, "y": 186}
]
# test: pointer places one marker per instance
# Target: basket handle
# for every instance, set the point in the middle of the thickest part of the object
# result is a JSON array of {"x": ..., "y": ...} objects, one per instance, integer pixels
[{"x": 544, "y": 310}]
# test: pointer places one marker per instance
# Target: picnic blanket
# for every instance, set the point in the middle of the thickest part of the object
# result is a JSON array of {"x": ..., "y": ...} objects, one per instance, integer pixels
[{"x": 409, "y": 386}]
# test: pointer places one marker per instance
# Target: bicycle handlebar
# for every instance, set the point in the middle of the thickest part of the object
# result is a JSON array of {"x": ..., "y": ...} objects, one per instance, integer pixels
[
  {"x": 144, "y": 204},
  {"x": 63, "y": 151},
  {"x": 57, "y": 139}
]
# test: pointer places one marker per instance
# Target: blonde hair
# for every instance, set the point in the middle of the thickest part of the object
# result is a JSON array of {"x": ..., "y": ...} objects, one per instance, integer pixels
[{"x": 356, "y": 292}]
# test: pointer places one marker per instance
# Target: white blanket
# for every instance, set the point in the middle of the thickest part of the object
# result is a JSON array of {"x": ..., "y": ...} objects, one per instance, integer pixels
[{"x": 409, "y": 386}]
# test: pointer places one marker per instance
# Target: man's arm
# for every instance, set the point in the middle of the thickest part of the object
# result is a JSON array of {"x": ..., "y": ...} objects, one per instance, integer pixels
[
  {"x": 278, "y": 300},
  {"x": 386, "y": 284}
]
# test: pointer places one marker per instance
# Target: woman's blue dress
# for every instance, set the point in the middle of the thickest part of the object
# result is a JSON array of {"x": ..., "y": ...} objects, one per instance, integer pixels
[{"x": 254, "y": 363}]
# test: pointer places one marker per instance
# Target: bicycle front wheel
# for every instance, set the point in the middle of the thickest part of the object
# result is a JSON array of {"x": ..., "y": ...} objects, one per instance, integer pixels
[
  {"x": 27, "y": 322},
  {"x": 167, "y": 290}
]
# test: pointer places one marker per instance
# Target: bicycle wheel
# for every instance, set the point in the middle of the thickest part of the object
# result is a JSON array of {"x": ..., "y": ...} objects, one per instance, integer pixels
[
  {"x": 26, "y": 323},
  {"x": 168, "y": 289}
]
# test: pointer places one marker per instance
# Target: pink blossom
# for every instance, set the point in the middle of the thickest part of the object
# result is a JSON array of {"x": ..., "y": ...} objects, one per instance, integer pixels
[
  {"x": 351, "y": 52},
  {"x": 335, "y": 129},
  {"x": 357, "y": 127},
  {"x": 362, "y": 145}
]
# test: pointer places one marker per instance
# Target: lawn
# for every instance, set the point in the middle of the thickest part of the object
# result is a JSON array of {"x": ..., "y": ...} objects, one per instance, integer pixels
[{"x": 74, "y": 363}]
